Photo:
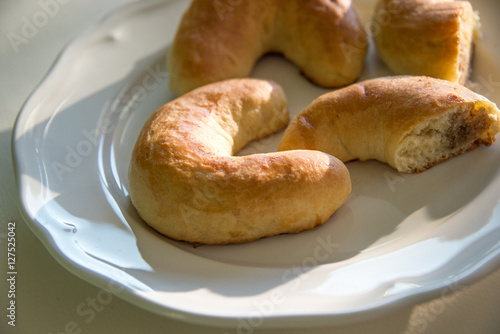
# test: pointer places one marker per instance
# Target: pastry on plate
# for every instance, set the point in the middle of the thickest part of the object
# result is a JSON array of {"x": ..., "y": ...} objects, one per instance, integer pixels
[
  {"x": 186, "y": 183},
  {"x": 324, "y": 38},
  {"x": 426, "y": 37},
  {"x": 411, "y": 123}
]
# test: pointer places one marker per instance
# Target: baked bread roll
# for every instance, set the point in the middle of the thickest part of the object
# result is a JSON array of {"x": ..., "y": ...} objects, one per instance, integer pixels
[
  {"x": 186, "y": 183},
  {"x": 324, "y": 38},
  {"x": 426, "y": 37},
  {"x": 411, "y": 123}
]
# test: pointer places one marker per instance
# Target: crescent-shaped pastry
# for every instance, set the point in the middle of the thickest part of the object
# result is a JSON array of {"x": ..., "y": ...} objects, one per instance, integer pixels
[
  {"x": 186, "y": 183},
  {"x": 411, "y": 123},
  {"x": 426, "y": 37},
  {"x": 324, "y": 38}
]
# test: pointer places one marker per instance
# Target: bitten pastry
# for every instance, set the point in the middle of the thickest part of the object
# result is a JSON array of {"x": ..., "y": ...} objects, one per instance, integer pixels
[
  {"x": 185, "y": 182},
  {"x": 324, "y": 38},
  {"x": 426, "y": 37},
  {"x": 411, "y": 123}
]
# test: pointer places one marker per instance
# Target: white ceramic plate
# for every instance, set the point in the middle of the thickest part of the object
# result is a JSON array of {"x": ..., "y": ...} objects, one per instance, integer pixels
[{"x": 398, "y": 240}]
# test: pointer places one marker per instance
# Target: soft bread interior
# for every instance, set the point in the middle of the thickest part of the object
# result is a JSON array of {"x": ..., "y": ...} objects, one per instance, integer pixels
[{"x": 458, "y": 130}]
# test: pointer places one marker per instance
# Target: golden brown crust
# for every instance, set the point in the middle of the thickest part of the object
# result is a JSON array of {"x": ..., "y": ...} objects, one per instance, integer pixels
[
  {"x": 422, "y": 37},
  {"x": 324, "y": 38},
  {"x": 186, "y": 184},
  {"x": 411, "y": 123}
]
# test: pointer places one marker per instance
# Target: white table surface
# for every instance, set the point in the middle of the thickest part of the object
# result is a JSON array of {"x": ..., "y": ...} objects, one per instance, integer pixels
[{"x": 48, "y": 296}]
